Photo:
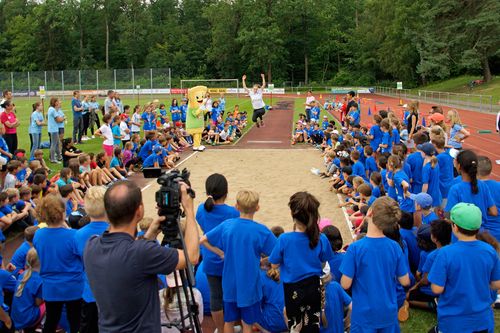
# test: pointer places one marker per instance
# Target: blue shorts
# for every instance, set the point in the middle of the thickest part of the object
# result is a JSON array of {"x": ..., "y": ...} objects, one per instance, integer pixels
[
  {"x": 356, "y": 328},
  {"x": 249, "y": 314}
]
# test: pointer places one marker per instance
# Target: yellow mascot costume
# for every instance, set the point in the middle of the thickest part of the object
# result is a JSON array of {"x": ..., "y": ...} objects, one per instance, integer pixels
[{"x": 195, "y": 113}]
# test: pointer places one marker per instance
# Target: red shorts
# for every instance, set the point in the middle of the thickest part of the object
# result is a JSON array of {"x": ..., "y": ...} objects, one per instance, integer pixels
[{"x": 108, "y": 150}]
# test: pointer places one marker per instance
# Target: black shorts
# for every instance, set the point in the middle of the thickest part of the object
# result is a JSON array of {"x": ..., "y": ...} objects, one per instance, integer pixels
[{"x": 258, "y": 113}]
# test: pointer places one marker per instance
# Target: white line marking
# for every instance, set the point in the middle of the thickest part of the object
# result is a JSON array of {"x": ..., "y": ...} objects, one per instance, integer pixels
[
  {"x": 178, "y": 164},
  {"x": 252, "y": 141},
  {"x": 348, "y": 222}
]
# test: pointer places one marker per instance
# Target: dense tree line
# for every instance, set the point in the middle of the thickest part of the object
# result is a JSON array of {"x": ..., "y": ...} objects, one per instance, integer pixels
[{"x": 322, "y": 41}]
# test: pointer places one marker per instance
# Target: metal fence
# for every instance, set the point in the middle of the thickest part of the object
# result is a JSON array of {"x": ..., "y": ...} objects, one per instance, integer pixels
[
  {"x": 483, "y": 103},
  {"x": 61, "y": 82}
]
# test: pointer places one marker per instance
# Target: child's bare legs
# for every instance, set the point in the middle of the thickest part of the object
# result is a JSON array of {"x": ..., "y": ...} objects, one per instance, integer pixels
[
  {"x": 86, "y": 180},
  {"x": 108, "y": 174},
  {"x": 229, "y": 327},
  {"x": 246, "y": 328},
  {"x": 116, "y": 173}
]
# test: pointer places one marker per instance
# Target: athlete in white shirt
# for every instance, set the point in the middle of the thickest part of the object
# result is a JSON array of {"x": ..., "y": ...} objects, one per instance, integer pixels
[{"x": 256, "y": 99}]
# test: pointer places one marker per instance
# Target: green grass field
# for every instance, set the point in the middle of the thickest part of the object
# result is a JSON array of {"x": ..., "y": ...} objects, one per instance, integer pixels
[
  {"x": 460, "y": 85},
  {"x": 24, "y": 109}
]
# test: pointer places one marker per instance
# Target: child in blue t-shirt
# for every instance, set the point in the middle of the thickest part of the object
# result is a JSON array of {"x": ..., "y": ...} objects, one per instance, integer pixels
[
  {"x": 154, "y": 160},
  {"x": 117, "y": 162},
  {"x": 301, "y": 255},
  {"x": 18, "y": 261},
  {"x": 416, "y": 163},
  {"x": 484, "y": 168},
  {"x": 338, "y": 307},
  {"x": 358, "y": 169},
  {"x": 463, "y": 274},
  {"x": 175, "y": 111},
  {"x": 325, "y": 123},
  {"x": 371, "y": 267},
  {"x": 376, "y": 184},
  {"x": 370, "y": 163},
  {"x": 430, "y": 173},
  {"x": 375, "y": 133},
  {"x": 421, "y": 295},
  {"x": 424, "y": 214},
  {"x": 240, "y": 242},
  {"x": 209, "y": 215},
  {"x": 401, "y": 184},
  {"x": 115, "y": 129},
  {"x": 385, "y": 145},
  {"x": 26, "y": 312},
  {"x": 183, "y": 109},
  {"x": 446, "y": 169},
  {"x": 408, "y": 233},
  {"x": 335, "y": 238}
]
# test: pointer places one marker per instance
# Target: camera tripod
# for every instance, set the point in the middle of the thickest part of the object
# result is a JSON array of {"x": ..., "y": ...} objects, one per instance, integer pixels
[{"x": 189, "y": 321}]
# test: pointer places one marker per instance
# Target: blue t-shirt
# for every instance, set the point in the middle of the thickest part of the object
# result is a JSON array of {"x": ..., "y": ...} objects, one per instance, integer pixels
[
  {"x": 241, "y": 273},
  {"x": 115, "y": 162},
  {"x": 315, "y": 112},
  {"x": 445, "y": 173},
  {"x": 207, "y": 221},
  {"x": 324, "y": 125},
  {"x": 149, "y": 121},
  {"x": 386, "y": 140},
  {"x": 336, "y": 301},
  {"x": 427, "y": 219},
  {"x": 163, "y": 113},
  {"x": 492, "y": 223},
  {"x": 374, "y": 264},
  {"x": 19, "y": 257},
  {"x": 272, "y": 304},
  {"x": 335, "y": 264},
  {"x": 146, "y": 149},
  {"x": 376, "y": 191},
  {"x": 430, "y": 176},
  {"x": 425, "y": 266},
  {"x": 355, "y": 117},
  {"x": 81, "y": 237},
  {"x": 52, "y": 124},
  {"x": 7, "y": 281},
  {"x": 176, "y": 116},
  {"x": 215, "y": 113},
  {"x": 183, "y": 109},
  {"x": 377, "y": 133},
  {"x": 25, "y": 312},
  {"x": 60, "y": 114},
  {"x": 371, "y": 165},
  {"x": 396, "y": 138},
  {"x": 358, "y": 169},
  {"x": 416, "y": 163},
  {"x": 462, "y": 192},
  {"x": 149, "y": 162},
  {"x": 116, "y": 133},
  {"x": 21, "y": 175},
  {"x": 406, "y": 204},
  {"x": 61, "y": 267},
  {"x": 453, "y": 132},
  {"x": 76, "y": 103},
  {"x": 34, "y": 127},
  {"x": 298, "y": 261},
  {"x": 465, "y": 270}
]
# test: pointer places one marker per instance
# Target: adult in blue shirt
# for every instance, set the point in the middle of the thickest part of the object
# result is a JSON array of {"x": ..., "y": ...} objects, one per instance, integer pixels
[
  {"x": 463, "y": 274},
  {"x": 210, "y": 214},
  {"x": 123, "y": 272},
  {"x": 53, "y": 121},
  {"x": 61, "y": 268},
  {"x": 94, "y": 207},
  {"x": 77, "y": 108},
  {"x": 35, "y": 130}
]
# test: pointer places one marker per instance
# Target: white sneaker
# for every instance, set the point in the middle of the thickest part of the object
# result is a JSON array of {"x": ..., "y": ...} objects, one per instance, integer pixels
[
  {"x": 202, "y": 148},
  {"x": 85, "y": 138},
  {"x": 93, "y": 137}
]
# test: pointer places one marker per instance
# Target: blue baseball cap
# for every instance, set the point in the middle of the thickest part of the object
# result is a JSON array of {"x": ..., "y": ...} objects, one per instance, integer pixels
[
  {"x": 157, "y": 149},
  {"x": 427, "y": 148},
  {"x": 423, "y": 199}
]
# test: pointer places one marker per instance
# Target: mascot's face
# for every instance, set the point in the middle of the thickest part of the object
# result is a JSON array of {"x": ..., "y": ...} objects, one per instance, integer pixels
[{"x": 197, "y": 95}]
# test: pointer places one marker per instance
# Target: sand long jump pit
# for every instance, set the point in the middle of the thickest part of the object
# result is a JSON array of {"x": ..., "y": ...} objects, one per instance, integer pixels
[{"x": 275, "y": 174}]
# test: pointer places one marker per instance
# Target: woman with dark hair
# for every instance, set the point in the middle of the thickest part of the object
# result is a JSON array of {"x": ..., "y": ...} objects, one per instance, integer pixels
[
  {"x": 301, "y": 255},
  {"x": 470, "y": 189},
  {"x": 412, "y": 121},
  {"x": 257, "y": 100},
  {"x": 209, "y": 215},
  {"x": 11, "y": 123}
]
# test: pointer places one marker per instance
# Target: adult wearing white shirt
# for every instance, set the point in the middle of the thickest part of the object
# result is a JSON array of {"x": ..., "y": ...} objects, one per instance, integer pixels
[
  {"x": 257, "y": 100},
  {"x": 309, "y": 99},
  {"x": 109, "y": 104}
]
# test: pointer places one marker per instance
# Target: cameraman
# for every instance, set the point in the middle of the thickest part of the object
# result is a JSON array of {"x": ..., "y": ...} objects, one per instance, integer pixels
[{"x": 122, "y": 271}]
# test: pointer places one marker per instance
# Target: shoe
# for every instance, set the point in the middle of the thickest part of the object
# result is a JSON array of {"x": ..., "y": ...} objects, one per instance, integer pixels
[
  {"x": 56, "y": 162},
  {"x": 262, "y": 123},
  {"x": 85, "y": 138},
  {"x": 257, "y": 123},
  {"x": 93, "y": 137}
]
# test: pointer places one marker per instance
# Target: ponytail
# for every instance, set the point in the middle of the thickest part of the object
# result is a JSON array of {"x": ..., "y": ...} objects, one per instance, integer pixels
[
  {"x": 216, "y": 187},
  {"x": 35, "y": 106},
  {"x": 31, "y": 263},
  {"x": 467, "y": 160},
  {"x": 304, "y": 207},
  {"x": 434, "y": 161}
]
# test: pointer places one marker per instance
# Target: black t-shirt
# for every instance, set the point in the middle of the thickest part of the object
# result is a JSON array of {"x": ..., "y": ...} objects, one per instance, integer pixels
[
  {"x": 410, "y": 121},
  {"x": 122, "y": 274},
  {"x": 66, "y": 159}
]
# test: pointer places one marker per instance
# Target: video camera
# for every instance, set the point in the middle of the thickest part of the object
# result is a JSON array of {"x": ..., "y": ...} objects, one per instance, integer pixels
[{"x": 168, "y": 200}]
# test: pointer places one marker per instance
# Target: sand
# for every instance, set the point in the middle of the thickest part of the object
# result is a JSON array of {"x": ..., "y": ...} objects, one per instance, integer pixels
[{"x": 274, "y": 173}]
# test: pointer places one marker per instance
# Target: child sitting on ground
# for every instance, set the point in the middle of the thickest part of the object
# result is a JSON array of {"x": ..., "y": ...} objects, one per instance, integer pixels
[
  {"x": 371, "y": 267},
  {"x": 39, "y": 158},
  {"x": 95, "y": 176},
  {"x": 111, "y": 173},
  {"x": 465, "y": 306},
  {"x": 10, "y": 180},
  {"x": 18, "y": 261},
  {"x": 241, "y": 264},
  {"x": 117, "y": 162}
]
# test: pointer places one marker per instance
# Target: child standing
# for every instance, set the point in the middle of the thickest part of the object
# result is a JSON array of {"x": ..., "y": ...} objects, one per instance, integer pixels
[
  {"x": 484, "y": 168},
  {"x": 135, "y": 124},
  {"x": 385, "y": 145},
  {"x": 371, "y": 267},
  {"x": 301, "y": 255},
  {"x": 401, "y": 184},
  {"x": 446, "y": 172},
  {"x": 430, "y": 173},
  {"x": 370, "y": 163},
  {"x": 463, "y": 274},
  {"x": 335, "y": 238},
  {"x": 241, "y": 273}
]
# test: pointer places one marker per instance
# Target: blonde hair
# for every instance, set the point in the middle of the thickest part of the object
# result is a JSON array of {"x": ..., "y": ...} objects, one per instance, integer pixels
[
  {"x": 413, "y": 106},
  {"x": 437, "y": 131},
  {"x": 357, "y": 181},
  {"x": 32, "y": 262},
  {"x": 247, "y": 201},
  {"x": 454, "y": 117},
  {"x": 94, "y": 202},
  {"x": 385, "y": 213}
]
